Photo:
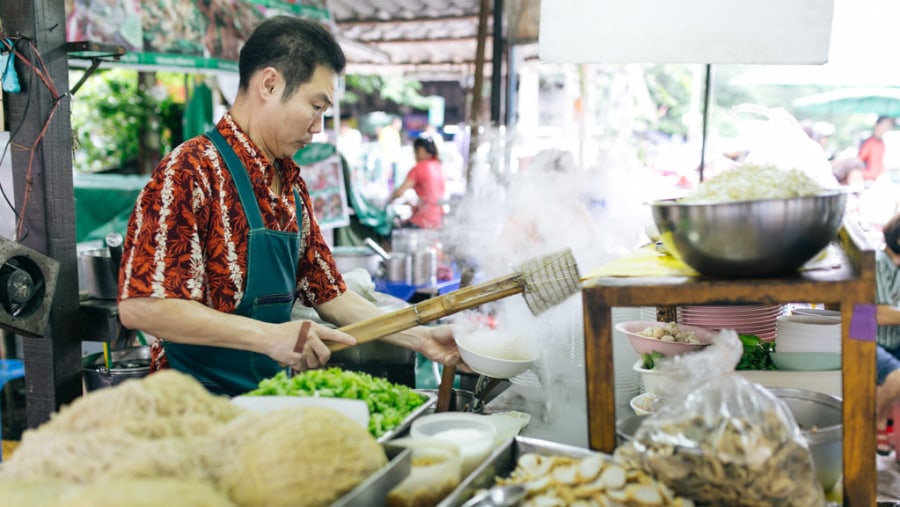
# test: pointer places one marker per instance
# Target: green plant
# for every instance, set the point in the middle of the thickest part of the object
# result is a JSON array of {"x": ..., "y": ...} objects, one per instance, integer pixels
[{"x": 110, "y": 114}]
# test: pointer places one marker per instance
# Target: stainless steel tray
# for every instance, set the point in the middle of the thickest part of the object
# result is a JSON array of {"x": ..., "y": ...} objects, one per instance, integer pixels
[
  {"x": 373, "y": 491},
  {"x": 430, "y": 400},
  {"x": 503, "y": 461}
]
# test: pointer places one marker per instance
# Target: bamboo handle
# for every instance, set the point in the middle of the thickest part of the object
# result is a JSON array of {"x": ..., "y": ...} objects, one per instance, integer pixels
[
  {"x": 448, "y": 375},
  {"x": 430, "y": 310},
  {"x": 445, "y": 389}
]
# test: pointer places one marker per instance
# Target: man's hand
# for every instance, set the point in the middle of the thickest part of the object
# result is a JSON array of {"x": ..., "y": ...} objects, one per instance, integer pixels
[
  {"x": 439, "y": 346},
  {"x": 302, "y": 344}
]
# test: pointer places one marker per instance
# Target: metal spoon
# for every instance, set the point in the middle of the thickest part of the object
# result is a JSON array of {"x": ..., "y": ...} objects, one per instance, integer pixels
[{"x": 498, "y": 496}]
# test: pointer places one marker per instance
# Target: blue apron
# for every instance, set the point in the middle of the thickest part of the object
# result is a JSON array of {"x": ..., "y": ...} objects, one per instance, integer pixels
[{"x": 268, "y": 294}]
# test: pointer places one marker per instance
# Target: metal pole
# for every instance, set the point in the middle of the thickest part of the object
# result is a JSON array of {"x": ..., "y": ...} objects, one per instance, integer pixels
[
  {"x": 512, "y": 85},
  {"x": 497, "y": 44},
  {"x": 707, "y": 93}
]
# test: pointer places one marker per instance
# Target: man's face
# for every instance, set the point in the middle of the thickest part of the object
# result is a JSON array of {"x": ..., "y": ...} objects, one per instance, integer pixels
[{"x": 293, "y": 122}]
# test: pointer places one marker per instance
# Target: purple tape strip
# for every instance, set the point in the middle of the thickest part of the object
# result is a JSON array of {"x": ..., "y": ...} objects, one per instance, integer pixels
[{"x": 863, "y": 323}]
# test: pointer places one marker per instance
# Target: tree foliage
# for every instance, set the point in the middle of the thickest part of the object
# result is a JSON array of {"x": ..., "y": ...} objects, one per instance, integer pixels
[{"x": 397, "y": 89}]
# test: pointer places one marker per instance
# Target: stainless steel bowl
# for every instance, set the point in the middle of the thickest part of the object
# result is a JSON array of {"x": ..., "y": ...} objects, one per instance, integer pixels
[
  {"x": 819, "y": 418},
  {"x": 133, "y": 362},
  {"x": 749, "y": 238}
]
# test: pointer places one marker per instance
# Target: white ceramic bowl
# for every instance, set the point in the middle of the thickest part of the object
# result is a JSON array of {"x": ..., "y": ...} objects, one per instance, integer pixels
[
  {"x": 645, "y": 404},
  {"x": 473, "y": 434},
  {"x": 497, "y": 359},
  {"x": 653, "y": 381}
]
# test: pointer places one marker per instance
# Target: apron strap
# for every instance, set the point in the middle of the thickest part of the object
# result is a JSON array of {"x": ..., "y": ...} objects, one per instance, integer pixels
[{"x": 240, "y": 177}]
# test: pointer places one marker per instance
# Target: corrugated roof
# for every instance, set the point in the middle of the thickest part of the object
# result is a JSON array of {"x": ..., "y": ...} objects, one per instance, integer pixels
[{"x": 427, "y": 38}]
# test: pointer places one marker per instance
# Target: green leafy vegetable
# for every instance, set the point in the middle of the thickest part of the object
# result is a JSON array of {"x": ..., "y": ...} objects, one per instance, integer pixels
[
  {"x": 651, "y": 359},
  {"x": 389, "y": 403},
  {"x": 756, "y": 354}
]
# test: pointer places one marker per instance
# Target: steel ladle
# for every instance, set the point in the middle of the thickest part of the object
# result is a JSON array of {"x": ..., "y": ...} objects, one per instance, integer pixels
[{"x": 498, "y": 496}]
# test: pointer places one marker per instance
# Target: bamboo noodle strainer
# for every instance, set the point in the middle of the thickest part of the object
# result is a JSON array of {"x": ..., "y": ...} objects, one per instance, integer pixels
[{"x": 544, "y": 282}]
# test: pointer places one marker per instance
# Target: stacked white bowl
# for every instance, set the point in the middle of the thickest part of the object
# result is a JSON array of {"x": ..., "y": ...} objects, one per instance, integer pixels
[
  {"x": 808, "y": 333},
  {"x": 627, "y": 380}
]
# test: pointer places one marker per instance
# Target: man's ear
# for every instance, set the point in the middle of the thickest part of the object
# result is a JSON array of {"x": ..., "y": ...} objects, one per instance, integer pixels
[{"x": 268, "y": 82}]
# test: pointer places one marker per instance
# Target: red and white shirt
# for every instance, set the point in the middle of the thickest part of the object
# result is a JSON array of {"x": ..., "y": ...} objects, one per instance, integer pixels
[{"x": 188, "y": 235}]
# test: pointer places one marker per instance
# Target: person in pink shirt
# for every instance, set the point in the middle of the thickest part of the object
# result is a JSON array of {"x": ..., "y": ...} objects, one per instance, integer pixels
[
  {"x": 871, "y": 152},
  {"x": 427, "y": 179}
]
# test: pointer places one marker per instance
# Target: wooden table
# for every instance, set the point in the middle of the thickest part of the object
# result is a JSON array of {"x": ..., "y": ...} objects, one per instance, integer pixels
[{"x": 848, "y": 285}]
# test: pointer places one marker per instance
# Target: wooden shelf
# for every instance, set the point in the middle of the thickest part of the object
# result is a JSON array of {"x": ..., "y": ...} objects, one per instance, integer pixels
[{"x": 849, "y": 283}]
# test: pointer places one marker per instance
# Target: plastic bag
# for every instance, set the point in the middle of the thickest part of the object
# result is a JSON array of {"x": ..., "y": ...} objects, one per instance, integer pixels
[
  {"x": 10, "y": 80},
  {"x": 779, "y": 140},
  {"x": 722, "y": 439}
]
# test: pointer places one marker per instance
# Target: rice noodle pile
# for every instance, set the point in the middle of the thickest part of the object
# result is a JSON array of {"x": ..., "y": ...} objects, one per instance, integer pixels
[
  {"x": 308, "y": 456},
  {"x": 752, "y": 183},
  {"x": 165, "y": 441},
  {"x": 165, "y": 404}
]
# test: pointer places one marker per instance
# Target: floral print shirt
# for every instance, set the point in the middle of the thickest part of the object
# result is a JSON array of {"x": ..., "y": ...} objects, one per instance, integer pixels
[{"x": 188, "y": 235}]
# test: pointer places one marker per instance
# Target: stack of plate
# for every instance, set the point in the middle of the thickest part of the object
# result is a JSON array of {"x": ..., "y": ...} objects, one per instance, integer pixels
[
  {"x": 759, "y": 320},
  {"x": 808, "y": 333}
]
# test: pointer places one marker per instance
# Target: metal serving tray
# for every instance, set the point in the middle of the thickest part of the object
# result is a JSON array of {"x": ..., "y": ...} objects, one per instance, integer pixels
[
  {"x": 430, "y": 399},
  {"x": 503, "y": 461},
  {"x": 373, "y": 491}
]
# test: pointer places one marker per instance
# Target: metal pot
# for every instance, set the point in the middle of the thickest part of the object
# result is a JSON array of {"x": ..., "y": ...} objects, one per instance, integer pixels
[
  {"x": 424, "y": 267},
  {"x": 99, "y": 272},
  {"x": 100, "y": 277},
  {"x": 133, "y": 362},
  {"x": 398, "y": 268}
]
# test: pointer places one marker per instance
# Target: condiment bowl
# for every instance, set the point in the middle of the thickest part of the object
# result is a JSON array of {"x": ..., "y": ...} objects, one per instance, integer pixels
[{"x": 749, "y": 238}]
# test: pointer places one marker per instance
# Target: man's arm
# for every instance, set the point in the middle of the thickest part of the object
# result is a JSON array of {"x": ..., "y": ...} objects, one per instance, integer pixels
[
  {"x": 434, "y": 342},
  {"x": 887, "y": 315},
  {"x": 186, "y": 321}
]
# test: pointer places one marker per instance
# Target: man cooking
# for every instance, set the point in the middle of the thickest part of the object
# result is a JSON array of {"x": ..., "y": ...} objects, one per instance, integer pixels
[{"x": 222, "y": 239}]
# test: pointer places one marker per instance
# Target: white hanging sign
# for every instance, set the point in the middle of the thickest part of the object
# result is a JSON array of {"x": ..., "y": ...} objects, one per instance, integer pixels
[{"x": 686, "y": 31}]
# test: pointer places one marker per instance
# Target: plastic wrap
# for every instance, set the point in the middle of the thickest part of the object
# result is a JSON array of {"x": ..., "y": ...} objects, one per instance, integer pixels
[{"x": 723, "y": 440}]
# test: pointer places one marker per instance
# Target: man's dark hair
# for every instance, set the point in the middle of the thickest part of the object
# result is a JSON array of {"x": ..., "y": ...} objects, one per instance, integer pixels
[
  {"x": 294, "y": 46},
  {"x": 891, "y": 231}
]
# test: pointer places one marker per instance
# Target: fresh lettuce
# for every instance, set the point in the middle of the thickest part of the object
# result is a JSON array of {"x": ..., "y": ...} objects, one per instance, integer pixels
[{"x": 388, "y": 403}]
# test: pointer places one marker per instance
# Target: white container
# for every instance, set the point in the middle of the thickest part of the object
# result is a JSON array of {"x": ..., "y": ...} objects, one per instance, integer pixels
[
  {"x": 653, "y": 381},
  {"x": 473, "y": 434},
  {"x": 826, "y": 382},
  {"x": 434, "y": 473},
  {"x": 357, "y": 410}
]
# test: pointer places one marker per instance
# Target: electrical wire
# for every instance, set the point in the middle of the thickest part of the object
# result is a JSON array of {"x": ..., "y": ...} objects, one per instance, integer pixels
[
  {"x": 39, "y": 69},
  {"x": 15, "y": 132}
]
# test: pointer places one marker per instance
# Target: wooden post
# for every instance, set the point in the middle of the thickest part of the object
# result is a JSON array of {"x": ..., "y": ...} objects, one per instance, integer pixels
[
  {"x": 477, "y": 87},
  {"x": 53, "y": 362}
]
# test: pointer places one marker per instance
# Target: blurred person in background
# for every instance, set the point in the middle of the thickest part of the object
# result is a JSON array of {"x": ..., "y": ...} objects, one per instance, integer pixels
[
  {"x": 871, "y": 152},
  {"x": 887, "y": 279},
  {"x": 427, "y": 179}
]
